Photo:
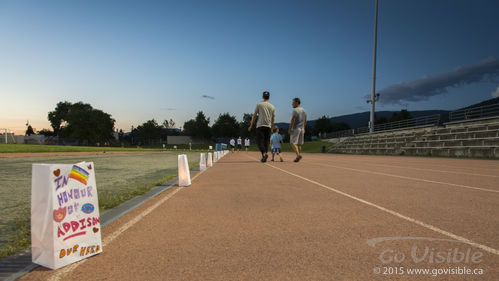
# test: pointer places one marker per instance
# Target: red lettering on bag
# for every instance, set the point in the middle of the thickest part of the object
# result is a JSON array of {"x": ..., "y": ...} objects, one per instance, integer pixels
[
  {"x": 66, "y": 226},
  {"x": 59, "y": 232},
  {"x": 74, "y": 225}
]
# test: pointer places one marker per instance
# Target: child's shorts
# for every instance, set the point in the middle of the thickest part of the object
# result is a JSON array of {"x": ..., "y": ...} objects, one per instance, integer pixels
[{"x": 276, "y": 150}]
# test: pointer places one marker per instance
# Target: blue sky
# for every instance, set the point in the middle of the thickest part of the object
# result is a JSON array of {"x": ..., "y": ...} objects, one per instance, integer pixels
[{"x": 139, "y": 60}]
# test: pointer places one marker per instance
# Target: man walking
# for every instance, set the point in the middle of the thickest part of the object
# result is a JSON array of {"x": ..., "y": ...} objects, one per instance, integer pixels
[
  {"x": 297, "y": 128},
  {"x": 232, "y": 144},
  {"x": 246, "y": 143},
  {"x": 266, "y": 116},
  {"x": 239, "y": 143}
]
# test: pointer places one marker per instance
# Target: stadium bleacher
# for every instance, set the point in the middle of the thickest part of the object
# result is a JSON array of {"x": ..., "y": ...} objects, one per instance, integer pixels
[
  {"x": 464, "y": 135},
  {"x": 468, "y": 139}
]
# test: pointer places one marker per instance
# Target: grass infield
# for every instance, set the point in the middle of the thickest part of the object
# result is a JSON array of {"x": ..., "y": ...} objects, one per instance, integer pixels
[{"x": 119, "y": 177}]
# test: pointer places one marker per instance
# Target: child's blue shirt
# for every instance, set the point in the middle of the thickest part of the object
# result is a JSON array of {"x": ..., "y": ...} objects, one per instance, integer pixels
[{"x": 276, "y": 140}]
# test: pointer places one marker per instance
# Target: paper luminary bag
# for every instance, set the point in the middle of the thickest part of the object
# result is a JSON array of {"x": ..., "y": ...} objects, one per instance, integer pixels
[
  {"x": 209, "y": 162},
  {"x": 65, "y": 220},
  {"x": 202, "y": 162},
  {"x": 184, "y": 175}
]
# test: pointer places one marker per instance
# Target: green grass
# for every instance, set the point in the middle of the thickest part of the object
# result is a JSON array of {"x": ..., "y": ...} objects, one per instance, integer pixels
[
  {"x": 19, "y": 235},
  {"x": 18, "y": 229},
  {"x": 120, "y": 177},
  {"x": 109, "y": 200}
]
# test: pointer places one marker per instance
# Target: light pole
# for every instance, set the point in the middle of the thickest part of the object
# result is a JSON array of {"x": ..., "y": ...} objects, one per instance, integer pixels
[
  {"x": 374, "y": 96},
  {"x": 372, "y": 101}
]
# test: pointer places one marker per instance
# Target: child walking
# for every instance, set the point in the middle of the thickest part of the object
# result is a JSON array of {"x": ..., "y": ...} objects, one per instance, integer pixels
[
  {"x": 232, "y": 144},
  {"x": 275, "y": 143}
]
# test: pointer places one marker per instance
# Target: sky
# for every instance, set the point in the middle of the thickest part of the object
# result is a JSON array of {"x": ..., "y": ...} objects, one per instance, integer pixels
[{"x": 139, "y": 60}]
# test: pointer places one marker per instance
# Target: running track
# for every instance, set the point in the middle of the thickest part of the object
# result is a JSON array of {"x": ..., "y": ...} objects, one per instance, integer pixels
[{"x": 313, "y": 220}]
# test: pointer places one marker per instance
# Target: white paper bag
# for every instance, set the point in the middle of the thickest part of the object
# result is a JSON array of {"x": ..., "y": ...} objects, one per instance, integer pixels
[
  {"x": 65, "y": 219},
  {"x": 210, "y": 160},
  {"x": 184, "y": 175},
  {"x": 202, "y": 162}
]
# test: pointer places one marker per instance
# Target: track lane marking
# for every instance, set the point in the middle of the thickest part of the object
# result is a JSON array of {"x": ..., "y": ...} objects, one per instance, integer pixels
[
  {"x": 58, "y": 274},
  {"x": 407, "y": 178},
  {"x": 422, "y": 169},
  {"x": 420, "y": 223}
]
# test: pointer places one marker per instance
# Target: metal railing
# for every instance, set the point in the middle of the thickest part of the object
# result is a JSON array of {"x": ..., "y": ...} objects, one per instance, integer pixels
[
  {"x": 430, "y": 120},
  {"x": 409, "y": 123},
  {"x": 347, "y": 133},
  {"x": 478, "y": 112}
]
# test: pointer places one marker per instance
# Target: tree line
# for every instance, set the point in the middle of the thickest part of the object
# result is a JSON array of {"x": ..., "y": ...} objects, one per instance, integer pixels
[
  {"x": 79, "y": 121},
  {"x": 225, "y": 125},
  {"x": 82, "y": 122}
]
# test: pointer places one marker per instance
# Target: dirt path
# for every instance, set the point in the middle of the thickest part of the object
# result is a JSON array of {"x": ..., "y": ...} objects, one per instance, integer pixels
[{"x": 45, "y": 154}]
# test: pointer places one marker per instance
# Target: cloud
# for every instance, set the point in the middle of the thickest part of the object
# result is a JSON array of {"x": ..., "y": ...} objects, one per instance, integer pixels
[
  {"x": 496, "y": 93},
  {"x": 168, "y": 108},
  {"x": 208, "y": 97},
  {"x": 433, "y": 85}
]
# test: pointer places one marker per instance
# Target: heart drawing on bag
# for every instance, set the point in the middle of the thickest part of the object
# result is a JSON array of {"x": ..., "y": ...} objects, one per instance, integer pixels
[
  {"x": 95, "y": 230},
  {"x": 57, "y": 172},
  {"x": 89, "y": 167},
  {"x": 59, "y": 214}
]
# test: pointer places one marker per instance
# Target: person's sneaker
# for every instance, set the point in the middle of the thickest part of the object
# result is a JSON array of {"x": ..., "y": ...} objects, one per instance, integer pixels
[
  {"x": 265, "y": 157},
  {"x": 282, "y": 160},
  {"x": 272, "y": 160},
  {"x": 297, "y": 158}
]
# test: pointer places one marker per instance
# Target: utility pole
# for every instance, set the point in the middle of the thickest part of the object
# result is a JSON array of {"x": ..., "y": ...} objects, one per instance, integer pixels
[{"x": 374, "y": 96}]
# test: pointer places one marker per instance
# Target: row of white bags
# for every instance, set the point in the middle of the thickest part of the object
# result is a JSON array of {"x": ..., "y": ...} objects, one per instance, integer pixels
[
  {"x": 65, "y": 219},
  {"x": 205, "y": 160}
]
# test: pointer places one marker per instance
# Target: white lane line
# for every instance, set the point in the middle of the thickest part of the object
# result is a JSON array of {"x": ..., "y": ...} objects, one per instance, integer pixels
[
  {"x": 441, "y": 171},
  {"x": 58, "y": 274},
  {"x": 422, "y": 169},
  {"x": 407, "y": 178},
  {"x": 420, "y": 223}
]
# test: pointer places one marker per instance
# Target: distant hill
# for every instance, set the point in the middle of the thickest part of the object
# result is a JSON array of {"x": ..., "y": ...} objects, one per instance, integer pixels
[
  {"x": 483, "y": 103},
  {"x": 358, "y": 120}
]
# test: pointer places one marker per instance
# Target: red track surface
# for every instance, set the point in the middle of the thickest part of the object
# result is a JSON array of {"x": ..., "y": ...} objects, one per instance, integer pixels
[{"x": 244, "y": 220}]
